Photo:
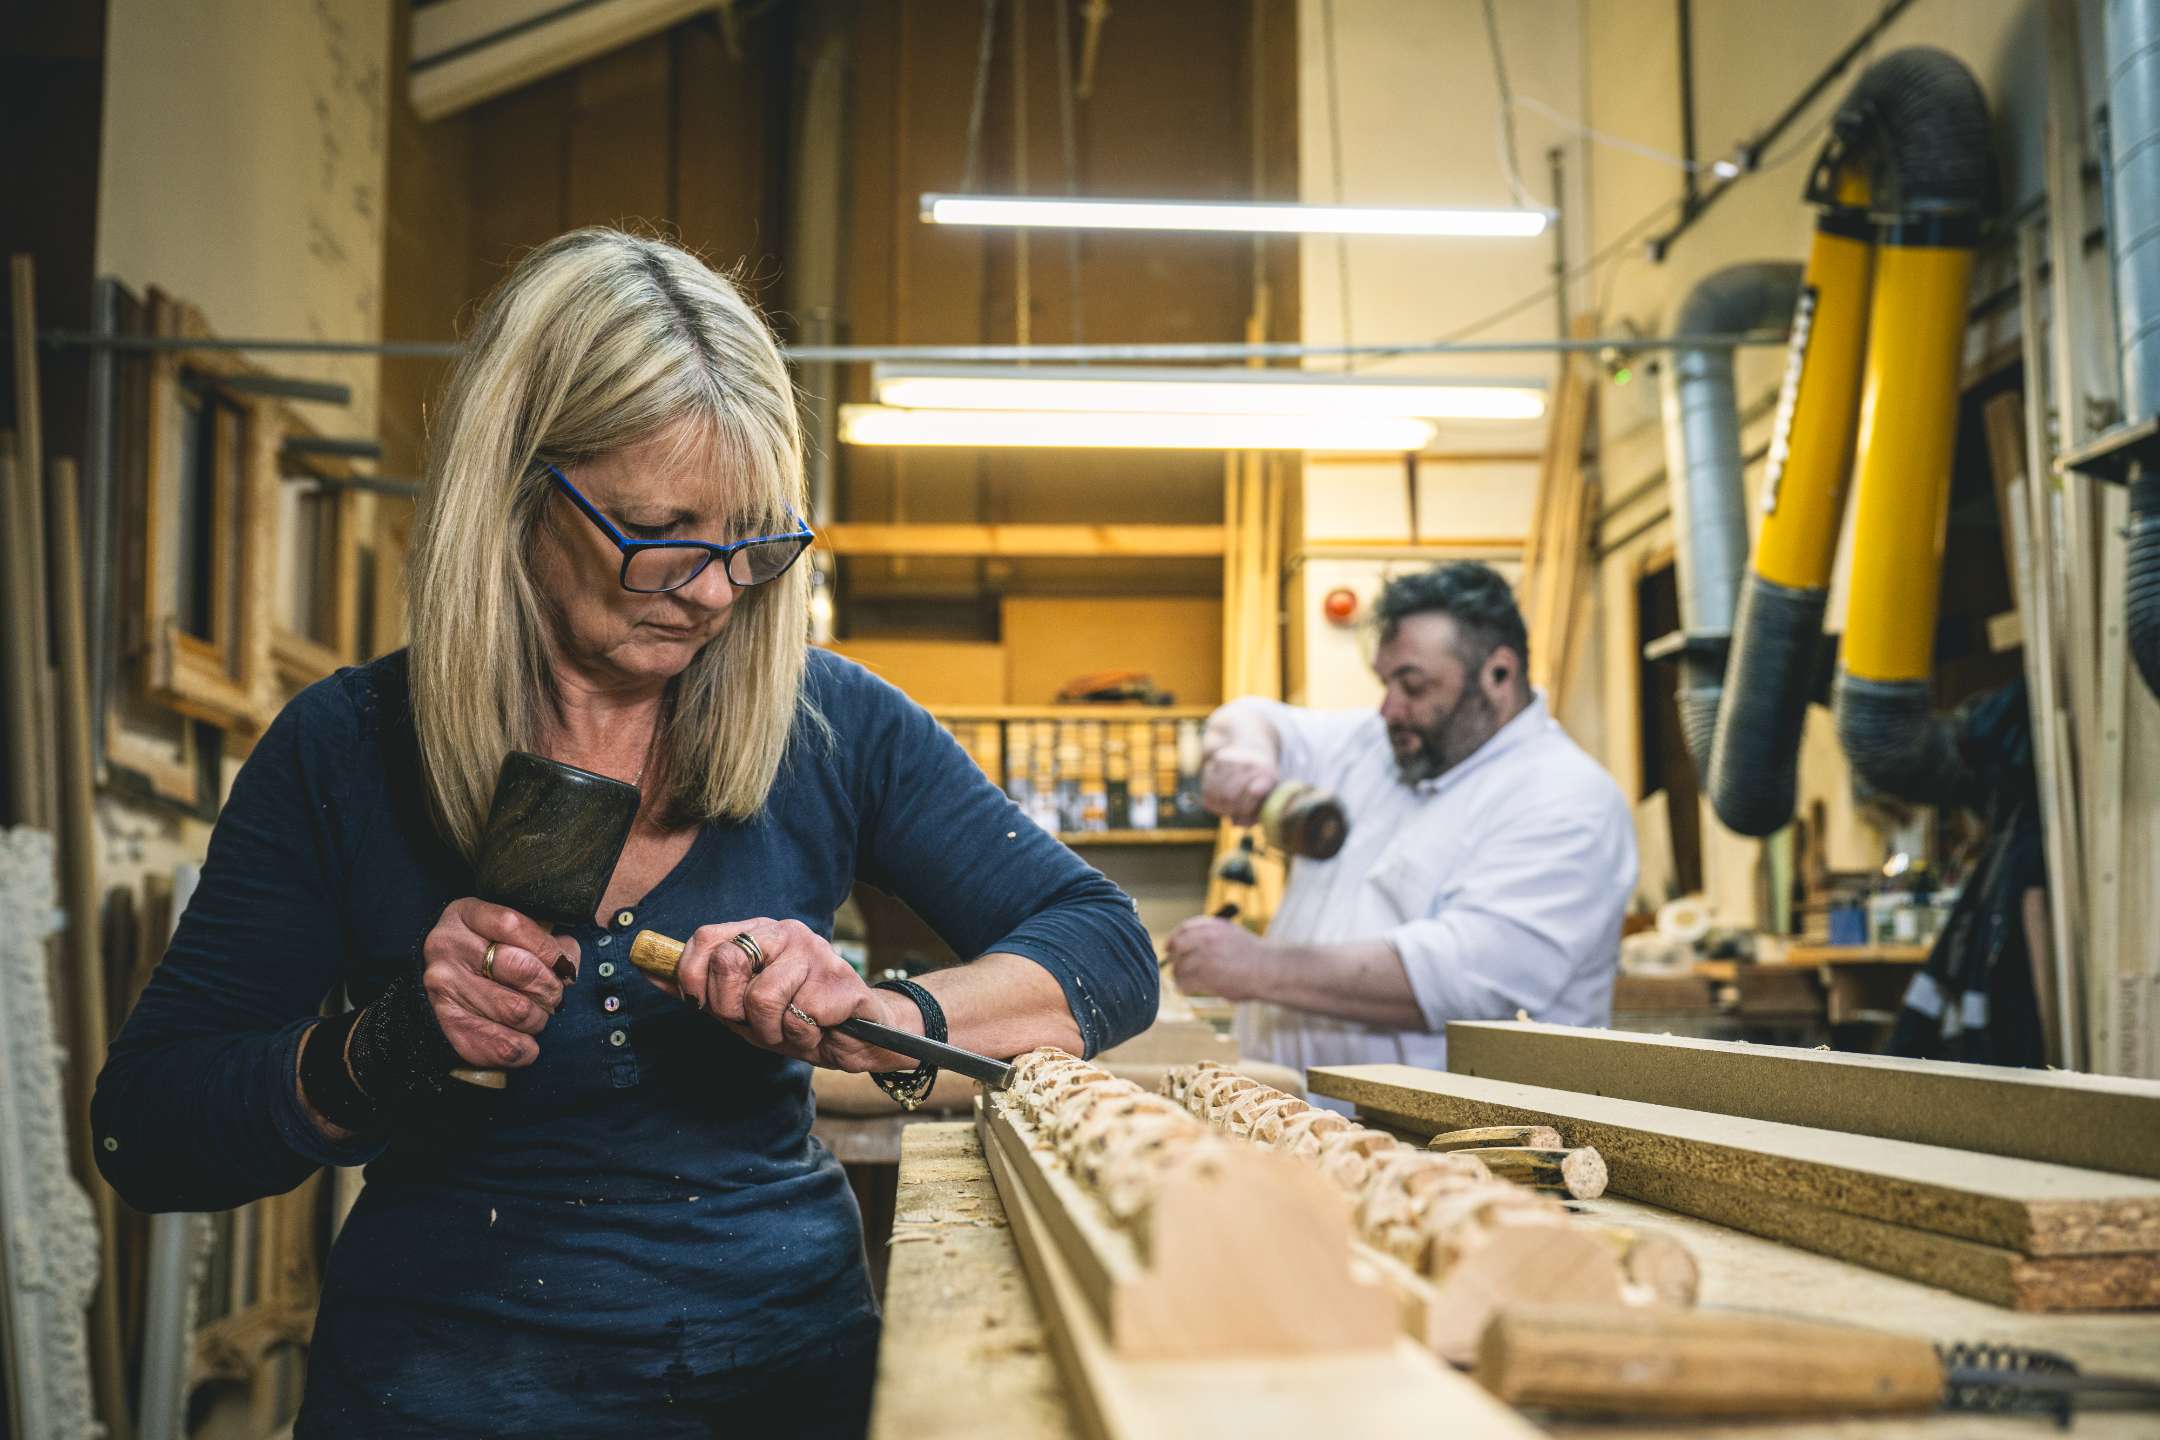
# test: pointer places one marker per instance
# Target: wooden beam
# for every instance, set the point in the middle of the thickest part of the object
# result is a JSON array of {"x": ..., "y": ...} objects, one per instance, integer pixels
[
  {"x": 1147, "y": 542},
  {"x": 2023, "y": 1205},
  {"x": 2096, "y": 1122}
]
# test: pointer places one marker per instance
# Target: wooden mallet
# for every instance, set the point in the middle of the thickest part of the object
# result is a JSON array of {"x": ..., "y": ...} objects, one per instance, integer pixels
[{"x": 553, "y": 835}]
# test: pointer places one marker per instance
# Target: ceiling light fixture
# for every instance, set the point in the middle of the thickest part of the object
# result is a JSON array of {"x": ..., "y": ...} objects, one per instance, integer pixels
[
  {"x": 1244, "y": 391},
  {"x": 1090, "y": 430},
  {"x": 1240, "y": 217}
]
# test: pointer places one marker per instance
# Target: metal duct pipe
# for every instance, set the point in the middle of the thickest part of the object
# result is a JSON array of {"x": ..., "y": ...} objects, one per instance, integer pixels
[
  {"x": 2133, "y": 97},
  {"x": 1702, "y": 476},
  {"x": 1918, "y": 121}
]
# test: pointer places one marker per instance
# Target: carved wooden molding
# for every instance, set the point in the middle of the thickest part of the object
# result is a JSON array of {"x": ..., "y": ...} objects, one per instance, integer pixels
[{"x": 49, "y": 1261}]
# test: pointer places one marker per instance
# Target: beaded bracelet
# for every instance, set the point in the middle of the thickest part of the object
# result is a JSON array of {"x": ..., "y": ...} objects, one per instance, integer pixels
[{"x": 909, "y": 1088}]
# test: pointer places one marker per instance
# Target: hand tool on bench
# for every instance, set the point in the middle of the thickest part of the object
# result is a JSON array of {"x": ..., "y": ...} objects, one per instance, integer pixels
[
  {"x": 658, "y": 955},
  {"x": 553, "y": 835},
  {"x": 1676, "y": 1363}
]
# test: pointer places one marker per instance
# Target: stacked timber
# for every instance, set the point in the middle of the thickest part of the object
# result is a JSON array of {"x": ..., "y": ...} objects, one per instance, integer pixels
[{"x": 2023, "y": 1233}]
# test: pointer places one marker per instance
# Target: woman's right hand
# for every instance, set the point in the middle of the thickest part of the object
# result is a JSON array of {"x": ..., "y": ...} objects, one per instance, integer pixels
[{"x": 490, "y": 1014}]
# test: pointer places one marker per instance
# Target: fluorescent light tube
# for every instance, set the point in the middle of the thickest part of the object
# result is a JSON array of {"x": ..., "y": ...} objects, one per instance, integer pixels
[
  {"x": 1242, "y": 217},
  {"x": 1198, "y": 392},
  {"x": 1079, "y": 430}
]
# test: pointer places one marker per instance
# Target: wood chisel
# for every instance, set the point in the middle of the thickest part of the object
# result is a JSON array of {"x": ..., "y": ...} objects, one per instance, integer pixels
[
  {"x": 1679, "y": 1363},
  {"x": 658, "y": 955}
]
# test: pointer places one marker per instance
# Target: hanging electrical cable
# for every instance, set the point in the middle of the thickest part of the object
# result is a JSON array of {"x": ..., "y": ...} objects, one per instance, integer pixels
[
  {"x": 1504, "y": 120},
  {"x": 1334, "y": 107},
  {"x": 1071, "y": 145},
  {"x": 971, "y": 165}
]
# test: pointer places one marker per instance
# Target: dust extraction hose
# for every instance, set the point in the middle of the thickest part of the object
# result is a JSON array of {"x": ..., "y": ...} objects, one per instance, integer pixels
[
  {"x": 1919, "y": 120},
  {"x": 1702, "y": 477},
  {"x": 2133, "y": 90},
  {"x": 1769, "y": 678}
]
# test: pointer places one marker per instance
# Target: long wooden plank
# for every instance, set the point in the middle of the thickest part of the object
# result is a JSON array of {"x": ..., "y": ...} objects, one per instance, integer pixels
[
  {"x": 2022, "y": 1205},
  {"x": 1402, "y": 1391},
  {"x": 2095, "y": 1122}
]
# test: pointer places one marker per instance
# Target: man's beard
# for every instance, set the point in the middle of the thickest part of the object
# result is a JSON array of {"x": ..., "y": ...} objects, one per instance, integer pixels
[{"x": 1449, "y": 741}]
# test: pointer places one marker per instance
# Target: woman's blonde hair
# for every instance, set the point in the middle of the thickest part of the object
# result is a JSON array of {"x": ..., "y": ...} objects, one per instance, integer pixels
[{"x": 595, "y": 342}]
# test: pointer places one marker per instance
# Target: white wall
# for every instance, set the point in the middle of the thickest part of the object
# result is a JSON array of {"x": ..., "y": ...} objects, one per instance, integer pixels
[
  {"x": 241, "y": 170},
  {"x": 1417, "y": 105}
]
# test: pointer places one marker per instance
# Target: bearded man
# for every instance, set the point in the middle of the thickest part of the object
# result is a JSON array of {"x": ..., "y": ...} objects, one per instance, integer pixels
[{"x": 1488, "y": 863}]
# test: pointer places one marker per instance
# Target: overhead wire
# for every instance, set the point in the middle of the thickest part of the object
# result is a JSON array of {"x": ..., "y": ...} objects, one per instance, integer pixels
[
  {"x": 1335, "y": 149},
  {"x": 1504, "y": 128},
  {"x": 1071, "y": 143},
  {"x": 973, "y": 164}
]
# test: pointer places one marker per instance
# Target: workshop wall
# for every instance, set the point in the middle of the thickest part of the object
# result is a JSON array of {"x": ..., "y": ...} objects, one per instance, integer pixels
[
  {"x": 1412, "y": 114},
  {"x": 1749, "y": 63},
  {"x": 251, "y": 187}
]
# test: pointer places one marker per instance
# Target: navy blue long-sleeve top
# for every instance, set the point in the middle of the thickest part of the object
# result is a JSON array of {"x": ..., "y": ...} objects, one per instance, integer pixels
[{"x": 645, "y": 1201}]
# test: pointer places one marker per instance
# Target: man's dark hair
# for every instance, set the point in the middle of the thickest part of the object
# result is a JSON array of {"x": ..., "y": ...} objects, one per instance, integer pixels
[{"x": 1480, "y": 601}]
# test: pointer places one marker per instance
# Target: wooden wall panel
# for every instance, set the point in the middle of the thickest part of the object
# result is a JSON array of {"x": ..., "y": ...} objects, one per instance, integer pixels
[
  {"x": 620, "y": 157},
  {"x": 728, "y": 117}
]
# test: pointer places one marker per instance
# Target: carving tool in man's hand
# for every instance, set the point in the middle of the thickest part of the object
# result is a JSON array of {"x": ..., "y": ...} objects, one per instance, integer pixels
[
  {"x": 658, "y": 955},
  {"x": 1680, "y": 1363},
  {"x": 549, "y": 847}
]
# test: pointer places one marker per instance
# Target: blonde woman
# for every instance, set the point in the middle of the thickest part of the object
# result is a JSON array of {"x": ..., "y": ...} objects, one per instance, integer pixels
[{"x": 638, "y": 1235}]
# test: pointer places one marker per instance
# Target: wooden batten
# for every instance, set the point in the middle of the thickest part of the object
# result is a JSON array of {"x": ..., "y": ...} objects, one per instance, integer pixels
[
  {"x": 2096, "y": 1122},
  {"x": 2025, "y": 1206}
]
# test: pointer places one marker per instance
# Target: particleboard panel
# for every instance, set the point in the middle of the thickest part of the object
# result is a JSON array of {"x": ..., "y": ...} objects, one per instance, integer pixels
[
  {"x": 1398, "y": 1391},
  {"x": 1052, "y": 640},
  {"x": 934, "y": 672},
  {"x": 2022, "y": 1205},
  {"x": 2097, "y": 1122}
]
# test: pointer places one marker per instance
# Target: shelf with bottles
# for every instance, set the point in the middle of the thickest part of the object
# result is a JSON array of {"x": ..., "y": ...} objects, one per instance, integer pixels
[
  {"x": 1080, "y": 839},
  {"x": 1080, "y": 772},
  {"x": 949, "y": 714}
]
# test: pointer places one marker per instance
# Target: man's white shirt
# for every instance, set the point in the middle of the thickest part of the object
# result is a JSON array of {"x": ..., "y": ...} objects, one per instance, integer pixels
[{"x": 1500, "y": 883}]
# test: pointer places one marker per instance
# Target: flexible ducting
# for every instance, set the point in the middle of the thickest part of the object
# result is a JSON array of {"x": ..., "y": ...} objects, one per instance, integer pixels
[
  {"x": 1771, "y": 673},
  {"x": 2133, "y": 91},
  {"x": 1918, "y": 121},
  {"x": 1702, "y": 476}
]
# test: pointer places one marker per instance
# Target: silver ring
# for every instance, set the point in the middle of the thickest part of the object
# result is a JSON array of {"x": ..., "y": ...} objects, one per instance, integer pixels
[
  {"x": 747, "y": 943},
  {"x": 487, "y": 961},
  {"x": 792, "y": 1009}
]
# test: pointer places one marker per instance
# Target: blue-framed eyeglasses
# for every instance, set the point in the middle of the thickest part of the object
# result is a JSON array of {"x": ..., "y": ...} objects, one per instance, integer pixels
[{"x": 654, "y": 567}]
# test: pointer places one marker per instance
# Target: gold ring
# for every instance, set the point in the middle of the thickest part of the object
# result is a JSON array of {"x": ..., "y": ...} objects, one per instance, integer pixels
[
  {"x": 743, "y": 941},
  {"x": 487, "y": 961},
  {"x": 798, "y": 1014}
]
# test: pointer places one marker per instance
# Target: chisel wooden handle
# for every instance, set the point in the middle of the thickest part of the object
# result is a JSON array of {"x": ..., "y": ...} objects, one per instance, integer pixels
[
  {"x": 658, "y": 955},
  {"x": 1673, "y": 1363},
  {"x": 1578, "y": 1174}
]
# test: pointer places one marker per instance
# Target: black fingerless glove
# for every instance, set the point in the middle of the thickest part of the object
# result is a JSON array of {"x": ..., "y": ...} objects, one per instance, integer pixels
[{"x": 365, "y": 1066}]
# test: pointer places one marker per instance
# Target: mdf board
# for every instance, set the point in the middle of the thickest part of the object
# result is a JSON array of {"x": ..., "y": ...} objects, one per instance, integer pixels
[
  {"x": 1050, "y": 641},
  {"x": 2094, "y": 1121},
  {"x": 933, "y": 672},
  {"x": 2023, "y": 1205}
]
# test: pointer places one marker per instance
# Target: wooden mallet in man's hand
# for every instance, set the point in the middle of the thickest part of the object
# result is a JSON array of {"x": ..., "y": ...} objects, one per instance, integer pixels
[{"x": 553, "y": 835}]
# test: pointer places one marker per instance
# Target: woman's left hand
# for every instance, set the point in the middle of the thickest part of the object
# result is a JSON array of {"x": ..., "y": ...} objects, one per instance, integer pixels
[{"x": 790, "y": 994}]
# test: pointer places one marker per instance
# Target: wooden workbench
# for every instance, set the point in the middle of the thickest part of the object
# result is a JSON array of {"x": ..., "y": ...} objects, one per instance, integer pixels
[{"x": 964, "y": 1351}]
